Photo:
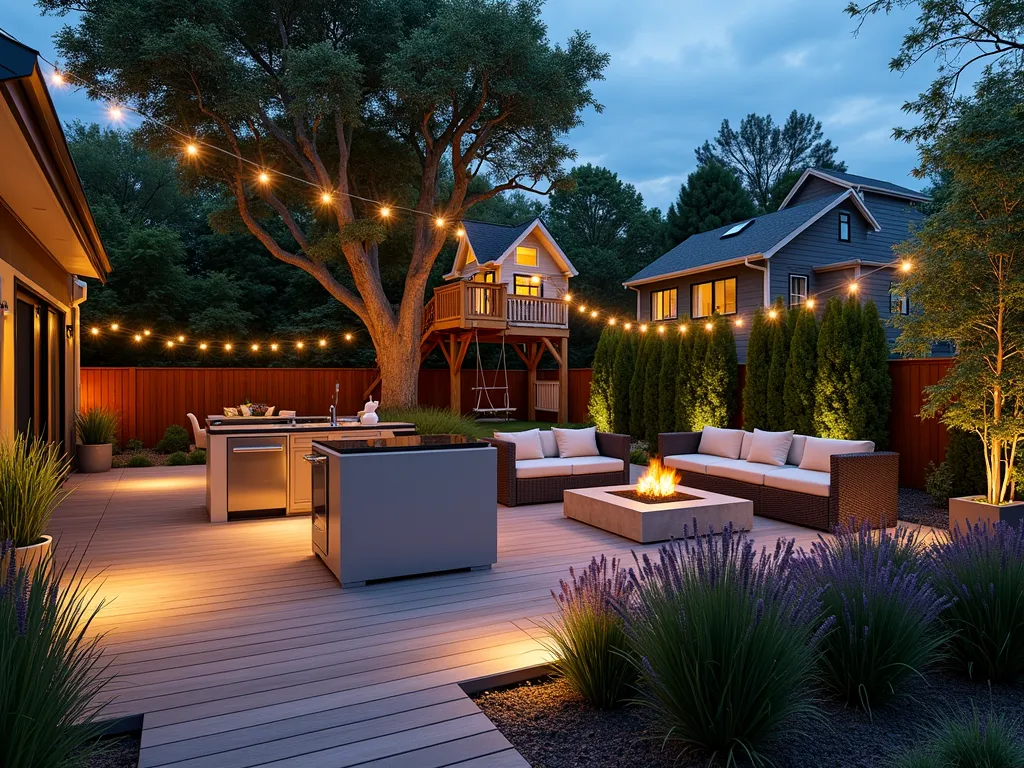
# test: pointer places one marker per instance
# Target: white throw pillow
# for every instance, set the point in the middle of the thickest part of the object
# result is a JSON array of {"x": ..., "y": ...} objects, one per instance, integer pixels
[
  {"x": 796, "y": 450},
  {"x": 748, "y": 440},
  {"x": 527, "y": 443},
  {"x": 770, "y": 447},
  {"x": 819, "y": 451},
  {"x": 726, "y": 443},
  {"x": 548, "y": 444},
  {"x": 576, "y": 442}
]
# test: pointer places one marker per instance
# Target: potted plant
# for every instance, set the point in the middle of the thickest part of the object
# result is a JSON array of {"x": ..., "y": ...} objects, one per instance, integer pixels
[
  {"x": 97, "y": 432},
  {"x": 32, "y": 474},
  {"x": 966, "y": 286}
]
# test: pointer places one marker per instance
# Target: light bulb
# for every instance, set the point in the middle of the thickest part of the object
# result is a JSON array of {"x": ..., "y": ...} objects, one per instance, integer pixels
[
  {"x": 325, "y": 197},
  {"x": 170, "y": 343},
  {"x": 384, "y": 211},
  {"x": 227, "y": 347},
  {"x": 683, "y": 329},
  {"x": 115, "y": 112},
  {"x": 191, "y": 149},
  {"x": 57, "y": 79},
  {"x": 460, "y": 232},
  {"x": 627, "y": 326},
  {"x": 273, "y": 347},
  {"x": 739, "y": 322},
  {"x": 181, "y": 338},
  {"x": 114, "y": 326},
  {"x": 643, "y": 328},
  {"x": 535, "y": 279},
  {"x": 594, "y": 313},
  {"x": 772, "y": 314},
  {"x": 611, "y": 321},
  {"x": 661, "y": 329},
  {"x": 906, "y": 266},
  {"x": 853, "y": 287},
  {"x": 348, "y": 337},
  {"x": 94, "y": 331},
  {"x": 583, "y": 308},
  {"x": 203, "y": 346},
  {"x": 708, "y": 326},
  {"x": 810, "y": 303},
  {"x": 299, "y": 345},
  {"x": 138, "y": 337},
  {"x": 146, "y": 332},
  {"x": 264, "y": 177},
  {"x": 568, "y": 297},
  {"x": 439, "y": 222},
  {"x": 322, "y": 342}
]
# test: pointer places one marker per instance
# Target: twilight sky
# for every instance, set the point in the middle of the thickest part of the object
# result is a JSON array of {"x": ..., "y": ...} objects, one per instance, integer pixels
[{"x": 678, "y": 68}]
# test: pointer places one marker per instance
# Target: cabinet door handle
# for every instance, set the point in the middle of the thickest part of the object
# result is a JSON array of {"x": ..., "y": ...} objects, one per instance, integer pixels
[{"x": 315, "y": 458}]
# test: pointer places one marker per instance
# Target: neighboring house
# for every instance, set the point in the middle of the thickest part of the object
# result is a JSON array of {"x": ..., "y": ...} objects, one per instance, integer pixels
[
  {"x": 47, "y": 241},
  {"x": 833, "y": 229}
]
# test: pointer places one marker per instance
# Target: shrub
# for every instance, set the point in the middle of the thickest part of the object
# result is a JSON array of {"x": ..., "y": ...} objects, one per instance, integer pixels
[
  {"x": 963, "y": 471},
  {"x": 835, "y": 394},
  {"x": 588, "y": 640},
  {"x": 652, "y": 388},
  {"x": 51, "y": 670},
  {"x": 886, "y": 616},
  {"x": 622, "y": 377},
  {"x": 963, "y": 742},
  {"x": 177, "y": 459},
  {"x": 876, "y": 382},
  {"x": 667, "y": 383},
  {"x": 755, "y": 386},
  {"x": 198, "y": 456},
  {"x": 636, "y": 388},
  {"x": 175, "y": 439},
  {"x": 32, "y": 475},
  {"x": 600, "y": 404},
  {"x": 715, "y": 393},
  {"x": 725, "y": 642},
  {"x": 97, "y": 426},
  {"x": 134, "y": 445},
  {"x": 433, "y": 421},
  {"x": 638, "y": 454},
  {"x": 684, "y": 379},
  {"x": 801, "y": 371},
  {"x": 982, "y": 571},
  {"x": 139, "y": 460},
  {"x": 776, "y": 405}
]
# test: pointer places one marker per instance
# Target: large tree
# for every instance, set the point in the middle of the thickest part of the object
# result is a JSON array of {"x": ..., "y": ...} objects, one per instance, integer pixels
[
  {"x": 377, "y": 99},
  {"x": 711, "y": 197},
  {"x": 762, "y": 152}
]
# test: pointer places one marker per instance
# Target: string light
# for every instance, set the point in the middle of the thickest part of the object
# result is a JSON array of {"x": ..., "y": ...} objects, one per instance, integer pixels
[
  {"x": 739, "y": 322},
  {"x": 535, "y": 279},
  {"x": 810, "y": 303},
  {"x": 146, "y": 332},
  {"x": 94, "y": 331},
  {"x": 594, "y": 313},
  {"x": 322, "y": 342},
  {"x": 115, "y": 112},
  {"x": 661, "y": 329},
  {"x": 772, "y": 314},
  {"x": 263, "y": 178},
  {"x": 348, "y": 337},
  {"x": 227, "y": 347},
  {"x": 439, "y": 222},
  {"x": 683, "y": 329},
  {"x": 181, "y": 338},
  {"x": 385, "y": 212},
  {"x": 628, "y": 326},
  {"x": 611, "y": 321},
  {"x": 114, "y": 326},
  {"x": 273, "y": 347},
  {"x": 460, "y": 232},
  {"x": 853, "y": 287},
  {"x": 709, "y": 326},
  {"x": 191, "y": 149},
  {"x": 643, "y": 328},
  {"x": 203, "y": 346},
  {"x": 170, "y": 343},
  {"x": 299, "y": 345},
  {"x": 57, "y": 79},
  {"x": 325, "y": 197},
  {"x": 255, "y": 347},
  {"x": 568, "y": 297},
  {"x": 138, "y": 337},
  {"x": 906, "y": 266}
]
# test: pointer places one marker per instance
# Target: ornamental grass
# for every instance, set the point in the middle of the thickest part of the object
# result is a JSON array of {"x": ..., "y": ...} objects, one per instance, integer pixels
[
  {"x": 97, "y": 426},
  {"x": 981, "y": 572},
  {"x": 588, "y": 641},
  {"x": 887, "y": 626},
  {"x": 432, "y": 421},
  {"x": 32, "y": 473},
  {"x": 725, "y": 643},
  {"x": 965, "y": 742}
]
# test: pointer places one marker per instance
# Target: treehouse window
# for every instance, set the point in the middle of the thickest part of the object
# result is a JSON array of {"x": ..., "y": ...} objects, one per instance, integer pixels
[
  {"x": 526, "y": 256},
  {"x": 526, "y": 285}
]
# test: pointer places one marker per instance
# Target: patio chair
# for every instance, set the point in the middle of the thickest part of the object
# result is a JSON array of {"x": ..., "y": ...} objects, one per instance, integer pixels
[{"x": 199, "y": 433}]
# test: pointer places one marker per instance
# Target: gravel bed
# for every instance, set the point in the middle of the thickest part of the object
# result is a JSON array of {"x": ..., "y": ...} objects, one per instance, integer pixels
[
  {"x": 118, "y": 752},
  {"x": 552, "y": 727},
  {"x": 918, "y": 507}
]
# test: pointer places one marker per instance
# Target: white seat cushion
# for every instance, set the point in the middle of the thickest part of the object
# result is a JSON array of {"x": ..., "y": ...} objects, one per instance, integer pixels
[
  {"x": 594, "y": 465},
  {"x": 576, "y": 442},
  {"x": 528, "y": 445},
  {"x": 799, "y": 480},
  {"x": 819, "y": 451},
  {"x": 738, "y": 469},
  {"x": 770, "y": 447},
  {"x": 692, "y": 462},
  {"x": 726, "y": 443},
  {"x": 528, "y": 468},
  {"x": 548, "y": 444}
]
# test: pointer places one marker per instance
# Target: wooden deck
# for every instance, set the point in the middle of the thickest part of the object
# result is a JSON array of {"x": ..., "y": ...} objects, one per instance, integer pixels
[{"x": 240, "y": 648}]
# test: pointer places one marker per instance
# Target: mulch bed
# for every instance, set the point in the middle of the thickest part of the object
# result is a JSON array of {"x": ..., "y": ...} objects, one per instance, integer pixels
[
  {"x": 119, "y": 752},
  {"x": 552, "y": 727},
  {"x": 121, "y": 460},
  {"x": 918, "y": 507}
]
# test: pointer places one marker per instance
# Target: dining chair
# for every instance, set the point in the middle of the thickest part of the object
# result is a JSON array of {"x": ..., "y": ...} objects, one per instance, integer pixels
[{"x": 199, "y": 433}]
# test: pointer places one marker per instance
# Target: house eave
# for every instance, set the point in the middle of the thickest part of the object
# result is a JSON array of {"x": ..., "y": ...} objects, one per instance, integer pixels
[
  {"x": 693, "y": 270},
  {"x": 849, "y": 264}
]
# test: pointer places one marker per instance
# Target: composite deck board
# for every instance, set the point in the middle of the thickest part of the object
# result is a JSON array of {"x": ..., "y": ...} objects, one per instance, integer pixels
[{"x": 240, "y": 648}]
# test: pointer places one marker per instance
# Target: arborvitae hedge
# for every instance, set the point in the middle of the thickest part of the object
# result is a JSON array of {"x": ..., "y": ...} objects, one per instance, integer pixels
[
  {"x": 652, "y": 387},
  {"x": 667, "y": 385},
  {"x": 776, "y": 408},
  {"x": 876, "y": 381},
  {"x": 600, "y": 405},
  {"x": 801, "y": 369},
  {"x": 636, "y": 389},
  {"x": 684, "y": 379},
  {"x": 755, "y": 386},
  {"x": 622, "y": 378},
  {"x": 716, "y": 377},
  {"x": 837, "y": 411}
]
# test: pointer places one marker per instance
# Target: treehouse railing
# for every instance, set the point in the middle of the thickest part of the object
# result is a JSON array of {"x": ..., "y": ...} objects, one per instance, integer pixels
[
  {"x": 530, "y": 310},
  {"x": 465, "y": 303}
]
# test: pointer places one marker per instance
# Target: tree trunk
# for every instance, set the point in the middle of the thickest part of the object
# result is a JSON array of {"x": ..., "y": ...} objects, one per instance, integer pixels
[{"x": 398, "y": 355}]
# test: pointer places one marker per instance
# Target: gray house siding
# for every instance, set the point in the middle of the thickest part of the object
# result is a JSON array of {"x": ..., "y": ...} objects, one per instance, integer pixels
[{"x": 749, "y": 295}]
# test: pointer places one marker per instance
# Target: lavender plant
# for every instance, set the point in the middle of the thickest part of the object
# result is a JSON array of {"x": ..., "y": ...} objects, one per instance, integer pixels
[
  {"x": 981, "y": 571},
  {"x": 51, "y": 671},
  {"x": 725, "y": 642},
  {"x": 887, "y": 626},
  {"x": 589, "y": 643}
]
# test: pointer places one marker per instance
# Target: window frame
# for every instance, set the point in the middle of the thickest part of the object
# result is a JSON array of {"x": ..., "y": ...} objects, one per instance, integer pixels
[
  {"x": 536, "y": 256},
  {"x": 807, "y": 288},
  {"x": 714, "y": 297},
  {"x": 904, "y": 301},
  {"x": 845, "y": 218},
  {"x": 675, "y": 304},
  {"x": 539, "y": 287}
]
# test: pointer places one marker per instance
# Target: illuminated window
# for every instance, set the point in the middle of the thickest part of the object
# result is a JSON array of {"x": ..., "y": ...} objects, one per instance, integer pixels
[
  {"x": 484, "y": 276},
  {"x": 526, "y": 256},
  {"x": 844, "y": 226},
  {"x": 663, "y": 305},
  {"x": 718, "y": 297},
  {"x": 898, "y": 305},
  {"x": 797, "y": 290},
  {"x": 525, "y": 285},
  {"x": 470, "y": 256}
]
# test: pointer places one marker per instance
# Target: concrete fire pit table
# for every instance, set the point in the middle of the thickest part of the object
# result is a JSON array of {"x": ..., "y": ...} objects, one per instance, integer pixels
[{"x": 617, "y": 510}]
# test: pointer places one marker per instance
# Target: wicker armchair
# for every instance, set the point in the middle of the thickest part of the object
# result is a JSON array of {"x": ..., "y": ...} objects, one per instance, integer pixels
[
  {"x": 513, "y": 491},
  {"x": 863, "y": 487}
]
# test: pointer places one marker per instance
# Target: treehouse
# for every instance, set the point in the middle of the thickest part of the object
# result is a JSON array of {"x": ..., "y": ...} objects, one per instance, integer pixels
[{"x": 507, "y": 286}]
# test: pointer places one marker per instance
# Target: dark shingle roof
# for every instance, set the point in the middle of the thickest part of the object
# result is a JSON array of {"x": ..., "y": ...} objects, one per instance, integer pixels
[
  {"x": 489, "y": 241},
  {"x": 865, "y": 181},
  {"x": 708, "y": 248}
]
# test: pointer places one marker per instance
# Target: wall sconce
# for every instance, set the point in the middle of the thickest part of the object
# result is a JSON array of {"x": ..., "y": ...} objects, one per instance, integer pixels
[
  {"x": 5, "y": 310},
  {"x": 69, "y": 332}
]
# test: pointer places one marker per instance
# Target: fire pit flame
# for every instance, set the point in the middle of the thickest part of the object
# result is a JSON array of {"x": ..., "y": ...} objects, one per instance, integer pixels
[{"x": 657, "y": 482}]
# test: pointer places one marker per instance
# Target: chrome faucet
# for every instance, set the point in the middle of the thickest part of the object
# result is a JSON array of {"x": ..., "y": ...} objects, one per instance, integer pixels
[
  {"x": 334, "y": 416},
  {"x": 334, "y": 405}
]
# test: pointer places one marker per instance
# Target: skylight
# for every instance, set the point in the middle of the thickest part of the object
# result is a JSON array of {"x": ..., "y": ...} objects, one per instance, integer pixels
[{"x": 737, "y": 228}]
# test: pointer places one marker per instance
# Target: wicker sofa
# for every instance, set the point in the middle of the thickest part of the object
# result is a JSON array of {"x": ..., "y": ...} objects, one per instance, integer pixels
[
  {"x": 537, "y": 481},
  {"x": 859, "y": 486}
]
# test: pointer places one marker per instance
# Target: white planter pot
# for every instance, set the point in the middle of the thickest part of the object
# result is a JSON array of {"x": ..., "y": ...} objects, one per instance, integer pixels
[
  {"x": 94, "y": 458},
  {"x": 967, "y": 511},
  {"x": 28, "y": 557}
]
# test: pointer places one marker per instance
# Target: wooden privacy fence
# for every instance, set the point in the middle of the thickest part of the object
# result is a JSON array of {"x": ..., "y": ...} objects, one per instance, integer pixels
[{"x": 151, "y": 399}]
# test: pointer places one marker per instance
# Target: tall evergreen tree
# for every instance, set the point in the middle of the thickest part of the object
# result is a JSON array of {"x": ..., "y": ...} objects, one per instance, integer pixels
[
  {"x": 715, "y": 403},
  {"x": 857, "y": 407},
  {"x": 832, "y": 416},
  {"x": 801, "y": 373},
  {"x": 600, "y": 405},
  {"x": 652, "y": 389},
  {"x": 711, "y": 197},
  {"x": 685, "y": 378},
  {"x": 667, "y": 385},
  {"x": 637, "y": 386},
  {"x": 622, "y": 378},
  {"x": 698, "y": 355},
  {"x": 776, "y": 407},
  {"x": 877, "y": 383},
  {"x": 755, "y": 387}
]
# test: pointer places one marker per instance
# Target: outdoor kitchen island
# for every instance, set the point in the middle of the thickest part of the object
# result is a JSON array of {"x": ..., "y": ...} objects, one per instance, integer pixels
[{"x": 404, "y": 506}]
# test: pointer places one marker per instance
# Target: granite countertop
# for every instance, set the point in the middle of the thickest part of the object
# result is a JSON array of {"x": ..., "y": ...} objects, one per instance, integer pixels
[
  {"x": 401, "y": 443},
  {"x": 254, "y": 426}
]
